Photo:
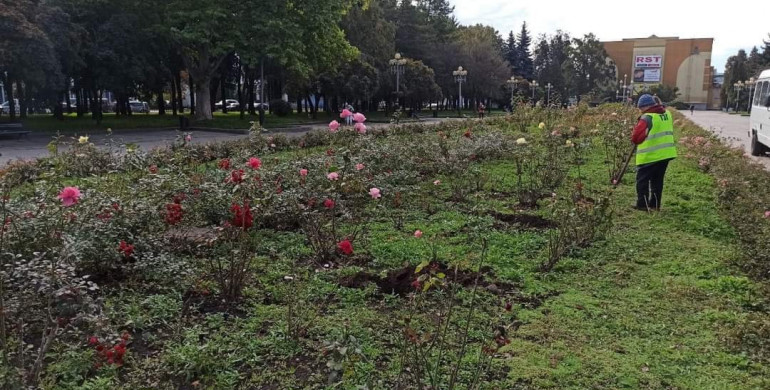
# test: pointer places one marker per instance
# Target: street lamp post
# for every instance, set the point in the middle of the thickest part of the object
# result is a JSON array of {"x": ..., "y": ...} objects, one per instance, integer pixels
[
  {"x": 397, "y": 68},
  {"x": 750, "y": 84},
  {"x": 512, "y": 85},
  {"x": 548, "y": 94},
  {"x": 534, "y": 86},
  {"x": 738, "y": 87},
  {"x": 460, "y": 76}
]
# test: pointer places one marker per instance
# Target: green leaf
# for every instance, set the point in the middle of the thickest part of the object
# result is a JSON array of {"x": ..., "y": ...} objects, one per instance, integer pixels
[{"x": 421, "y": 266}]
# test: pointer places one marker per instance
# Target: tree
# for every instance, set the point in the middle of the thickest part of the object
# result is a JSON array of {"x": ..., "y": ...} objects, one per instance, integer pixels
[
  {"x": 206, "y": 32},
  {"x": 736, "y": 69},
  {"x": 588, "y": 65},
  {"x": 666, "y": 93},
  {"x": 419, "y": 84},
  {"x": 512, "y": 51},
  {"x": 552, "y": 62},
  {"x": 525, "y": 64},
  {"x": 480, "y": 52}
]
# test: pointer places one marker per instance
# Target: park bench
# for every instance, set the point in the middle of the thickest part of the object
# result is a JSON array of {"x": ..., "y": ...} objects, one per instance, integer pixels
[{"x": 12, "y": 129}]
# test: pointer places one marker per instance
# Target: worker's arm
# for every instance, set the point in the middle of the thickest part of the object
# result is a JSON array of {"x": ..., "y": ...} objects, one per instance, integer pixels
[{"x": 641, "y": 129}]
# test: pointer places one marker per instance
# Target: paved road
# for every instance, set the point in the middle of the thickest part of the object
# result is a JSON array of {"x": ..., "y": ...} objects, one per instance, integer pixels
[
  {"x": 733, "y": 128},
  {"x": 34, "y": 145}
]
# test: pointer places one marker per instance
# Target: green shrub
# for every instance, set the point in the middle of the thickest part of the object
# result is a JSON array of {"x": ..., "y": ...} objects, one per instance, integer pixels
[{"x": 280, "y": 107}]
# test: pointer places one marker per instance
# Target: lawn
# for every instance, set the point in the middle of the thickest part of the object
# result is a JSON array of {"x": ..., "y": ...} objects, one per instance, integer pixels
[
  {"x": 443, "y": 284},
  {"x": 230, "y": 121}
]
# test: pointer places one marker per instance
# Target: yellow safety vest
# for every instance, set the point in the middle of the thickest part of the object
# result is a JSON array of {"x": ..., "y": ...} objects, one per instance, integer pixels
[{"x": 659, "y": 144}]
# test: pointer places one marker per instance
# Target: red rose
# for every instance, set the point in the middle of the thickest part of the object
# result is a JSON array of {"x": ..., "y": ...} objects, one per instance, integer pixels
[
  {"x": 329, "y": 204},
  {"x": 224, "y": 163},
  {"x": 346, "y": 247},
  {"x": 126, "y": 248},
  {"x": 242, "y": 217},
  {"x": 153, "y": 169},
  {"x": 236, "y": 176},
  {"x": 173, "y": 213},
  {"x": 93, "y": 340}
]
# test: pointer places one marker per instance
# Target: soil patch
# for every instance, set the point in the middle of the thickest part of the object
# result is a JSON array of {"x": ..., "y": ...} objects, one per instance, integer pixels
[
  {"x": 523, "y": 220},
  {"x": 196, "y": 302},
  {"x": 399, "y": 281}
]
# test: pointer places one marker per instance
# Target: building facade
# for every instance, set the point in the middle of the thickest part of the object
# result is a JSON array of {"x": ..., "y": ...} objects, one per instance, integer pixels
[{"x": 683, "y": 63}]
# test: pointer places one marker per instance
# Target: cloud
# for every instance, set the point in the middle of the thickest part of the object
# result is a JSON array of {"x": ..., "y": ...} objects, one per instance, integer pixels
[{"x": 615, "y": 20}]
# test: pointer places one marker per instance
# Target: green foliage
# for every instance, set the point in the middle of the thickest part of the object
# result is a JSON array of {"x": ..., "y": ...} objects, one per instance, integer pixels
[{"x": 280, "y": 107}]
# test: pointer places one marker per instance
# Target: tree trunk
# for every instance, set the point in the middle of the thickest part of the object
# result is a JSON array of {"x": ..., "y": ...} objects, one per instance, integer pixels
[
  {"x": 22, "y": 99},
  {"x": 161, "y": 102},
  {"x": 67, "y": 98},
  {"x": 203, "y": 100},
  {"x": 179, "y": 101},
  {"x": 222, "y": 83},
  {"x": 58, "y": 111},
  {"x": 98, "y": 106},
  {"x": 299, "y": 104},
  {"x": 250, "y": 83},
  {"x": 193, "y": 91},
  {"x": 173, "y": 96},
  {"x": 239, "y": 88},
  {"x": 8, "y": 83}
]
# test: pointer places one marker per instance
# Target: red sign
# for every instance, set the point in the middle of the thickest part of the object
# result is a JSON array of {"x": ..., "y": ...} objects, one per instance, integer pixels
[{"x": 648, "y": 61}]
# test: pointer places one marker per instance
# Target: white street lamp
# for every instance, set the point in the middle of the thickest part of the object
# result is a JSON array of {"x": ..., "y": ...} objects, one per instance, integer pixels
[
  {"x": 397, "y": 68},
  {"x": 512, "y": 85},
  {"x": 548, "y": 94},
  {"x": 460, "y": 76},
  {"x": 738, "y": 87},
  {"x": 534, "y": 86}
]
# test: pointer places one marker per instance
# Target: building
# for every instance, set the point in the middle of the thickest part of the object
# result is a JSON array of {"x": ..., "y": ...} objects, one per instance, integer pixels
[
  {"x": 684, "y": 63},
  {"x": 2, "y": 93}
]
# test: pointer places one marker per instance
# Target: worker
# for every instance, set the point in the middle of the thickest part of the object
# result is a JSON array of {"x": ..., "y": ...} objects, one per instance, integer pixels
[{"x": 654, "y": 137}]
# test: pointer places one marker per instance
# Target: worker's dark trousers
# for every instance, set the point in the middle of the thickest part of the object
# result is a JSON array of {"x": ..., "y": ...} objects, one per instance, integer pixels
[{"x": 649, "y": 184}]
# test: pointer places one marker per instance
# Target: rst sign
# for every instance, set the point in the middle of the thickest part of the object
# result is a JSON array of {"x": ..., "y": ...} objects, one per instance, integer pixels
[{"x": 648, "y": 61}]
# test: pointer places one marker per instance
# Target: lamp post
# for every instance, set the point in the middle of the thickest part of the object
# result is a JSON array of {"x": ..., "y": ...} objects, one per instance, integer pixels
[
  {"x": 750, "y": 84},
  {"x": 624, "y": 87},
  {"x": 534, "y": 86},
  {"x": 460, "y": 76},
  {"x": 738, "y": 87},
  {"x": 512, "y": 85},
  {"x": 397, "y": 67},
  {"x": 548, "y": 94}
]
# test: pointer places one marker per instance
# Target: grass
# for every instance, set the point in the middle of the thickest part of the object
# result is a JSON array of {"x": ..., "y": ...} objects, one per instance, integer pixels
[
  {"x": 231, "y": 121},
  {"x": 649, "y": 307}
]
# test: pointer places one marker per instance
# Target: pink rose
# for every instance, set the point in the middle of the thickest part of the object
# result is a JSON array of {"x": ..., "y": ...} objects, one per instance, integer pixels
[
  {"x": 333, "y": 176},
  {"x": 360, "y": 128},
  {"x": 767, "y": 214},
  {"x": 375, "y": 193},
  {"x": 345, "y": 113},
  {"x": 437, "y": 182},
  {"x": 69, "y": 196},
  {"x": 303, "y": 172},
  {"x": 359, "y": 117},
  {"x": 360, "y": 167},
  {"x": 334, "y": 126},
  {"x": 418, "y": 233}
]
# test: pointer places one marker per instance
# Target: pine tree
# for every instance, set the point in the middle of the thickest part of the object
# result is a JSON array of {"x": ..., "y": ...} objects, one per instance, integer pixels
[
  {"x": 511, "y": 52},
  {"x": 525, "y": 65}
]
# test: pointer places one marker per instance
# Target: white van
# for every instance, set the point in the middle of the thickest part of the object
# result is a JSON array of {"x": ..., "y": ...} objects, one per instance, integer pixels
[{"x": 760, "y": 115}]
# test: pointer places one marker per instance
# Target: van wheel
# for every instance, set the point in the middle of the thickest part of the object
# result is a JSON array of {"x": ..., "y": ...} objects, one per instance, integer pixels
[{"x": 757, "y": 149}]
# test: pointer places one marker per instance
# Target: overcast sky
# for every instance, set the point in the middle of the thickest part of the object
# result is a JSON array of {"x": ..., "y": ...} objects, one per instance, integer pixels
[{"x": 615, "y": 20}]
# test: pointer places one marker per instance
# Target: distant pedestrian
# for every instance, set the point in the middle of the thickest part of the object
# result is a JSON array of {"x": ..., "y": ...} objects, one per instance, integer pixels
[
  {"x": 349, "y": 119},
  {"x": 481, "y": 109},
  {"x": 692, "y": 109}
]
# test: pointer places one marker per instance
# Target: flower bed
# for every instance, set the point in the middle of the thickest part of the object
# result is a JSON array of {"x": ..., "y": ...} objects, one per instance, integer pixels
[{"x": 151, "y": 255}]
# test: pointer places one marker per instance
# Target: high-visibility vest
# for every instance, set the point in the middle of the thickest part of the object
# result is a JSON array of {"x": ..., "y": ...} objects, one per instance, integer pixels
[{"x": 659, "y": 144}]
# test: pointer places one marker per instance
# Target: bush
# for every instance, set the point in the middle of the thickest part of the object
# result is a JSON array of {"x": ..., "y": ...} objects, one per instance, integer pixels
[{"x": 280, "y": 107}]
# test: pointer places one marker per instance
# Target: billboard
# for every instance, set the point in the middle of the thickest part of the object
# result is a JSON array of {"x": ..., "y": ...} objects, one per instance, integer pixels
[
  {"x": 647, "y": 75},
  {"x": 651, "y": 61}
]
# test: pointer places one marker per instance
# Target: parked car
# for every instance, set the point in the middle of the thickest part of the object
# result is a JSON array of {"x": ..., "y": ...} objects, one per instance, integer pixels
[
  {"x": 73, "y": 105},
  {"x": 760, "y": 116},
  {"x": 139, "y": 107},
  {"x": 228, "y": 102},
  {"x": 233, "y": 106},
  {"x": 266, "y": 106},
  {"x": 6, "y": 107}
]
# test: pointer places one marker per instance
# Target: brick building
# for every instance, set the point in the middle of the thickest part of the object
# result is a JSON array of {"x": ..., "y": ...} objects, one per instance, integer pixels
[{"x": 684, "y": 63}]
